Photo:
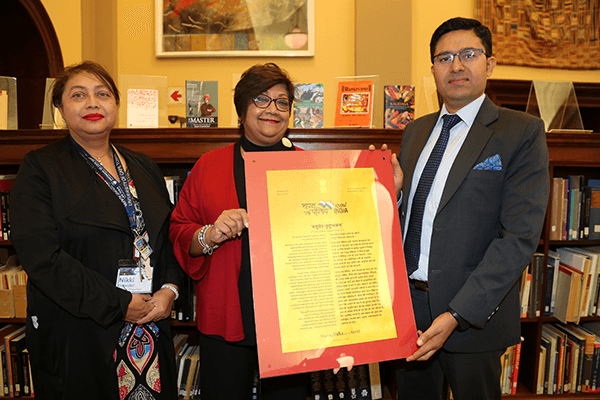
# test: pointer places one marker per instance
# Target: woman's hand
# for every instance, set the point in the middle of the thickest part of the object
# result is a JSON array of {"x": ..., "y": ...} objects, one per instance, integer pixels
[
  {"x": 162, "y": 302},
  {"x": 229, "y": 225},
  {"x": 138, "y": 307}
]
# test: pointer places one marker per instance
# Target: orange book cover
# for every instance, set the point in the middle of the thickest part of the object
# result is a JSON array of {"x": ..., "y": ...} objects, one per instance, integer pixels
[
  {"x": 328, "y": 272},
  {"x": 354, "y": 105}
]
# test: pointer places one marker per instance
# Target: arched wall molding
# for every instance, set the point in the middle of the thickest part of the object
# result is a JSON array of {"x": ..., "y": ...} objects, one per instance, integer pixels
[{"x": 42, "y": 20}]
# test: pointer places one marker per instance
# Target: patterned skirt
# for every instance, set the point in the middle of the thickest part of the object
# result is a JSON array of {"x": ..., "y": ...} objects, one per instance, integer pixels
[{"x": 136, "y": 358}]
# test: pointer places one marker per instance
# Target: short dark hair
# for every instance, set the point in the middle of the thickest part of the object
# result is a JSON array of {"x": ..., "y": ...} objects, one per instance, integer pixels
[
  {"x": 462, "y": 24},
  {"x": 89, "y": 67},
  {"x": 256, "y": 80}
]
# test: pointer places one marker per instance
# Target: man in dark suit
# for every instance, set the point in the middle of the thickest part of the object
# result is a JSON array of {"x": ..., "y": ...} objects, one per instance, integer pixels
[{"x": 472, "y": 210}]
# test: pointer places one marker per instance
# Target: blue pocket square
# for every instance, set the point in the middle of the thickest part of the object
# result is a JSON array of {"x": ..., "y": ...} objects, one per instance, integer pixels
[{"x": 492, "y": 163}]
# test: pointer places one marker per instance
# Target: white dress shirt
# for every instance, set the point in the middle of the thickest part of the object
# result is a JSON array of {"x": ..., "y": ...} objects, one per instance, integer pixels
[{"x": 458, "y": 134}]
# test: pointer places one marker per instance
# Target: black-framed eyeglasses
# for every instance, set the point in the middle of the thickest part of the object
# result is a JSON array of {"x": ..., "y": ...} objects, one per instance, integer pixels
[
  {"x": 466, "y": 56},
  {"x": 264, "y": 101}
]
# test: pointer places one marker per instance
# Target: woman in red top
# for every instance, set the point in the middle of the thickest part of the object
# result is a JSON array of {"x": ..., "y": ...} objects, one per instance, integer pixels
[{"x": 208, "y": 229}]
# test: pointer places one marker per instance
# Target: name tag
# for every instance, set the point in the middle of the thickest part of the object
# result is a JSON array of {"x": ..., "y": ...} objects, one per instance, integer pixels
[{"x": 135, "y": 277}]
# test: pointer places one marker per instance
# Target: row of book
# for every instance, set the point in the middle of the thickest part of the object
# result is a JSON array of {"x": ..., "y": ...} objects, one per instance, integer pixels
[
  {"x": 16, "y": 379},
  {"x": 511, "y": 360},
  {"x": 575, "y": 208},
  {"x": 188, "y": 367},
  {"x": 573, "y": 277},
  {"x": 569, "y": 359},
  {"x": 6, "y": 182},
  {"x": 354, "y": 107},
  {"x": 572, "y": 284},
  {"x": 358, "y": 382}
]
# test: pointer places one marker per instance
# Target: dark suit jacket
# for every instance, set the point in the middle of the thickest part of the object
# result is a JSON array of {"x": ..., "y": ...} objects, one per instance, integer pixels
[
  {"x": 488, "y": 224},
  {"x": 70, "y": 231}
]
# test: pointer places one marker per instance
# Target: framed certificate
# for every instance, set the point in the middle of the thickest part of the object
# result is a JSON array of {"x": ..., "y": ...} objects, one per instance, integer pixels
[{"x": 328, "y": 273}]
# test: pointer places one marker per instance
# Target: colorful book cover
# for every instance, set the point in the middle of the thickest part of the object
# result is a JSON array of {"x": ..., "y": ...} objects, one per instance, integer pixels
[
  {"x": 308, "y": 105},
  {"x": 399, "y": 103},
  {"x": 202, "y": 99},
  {"x": 354, "y": 103}
]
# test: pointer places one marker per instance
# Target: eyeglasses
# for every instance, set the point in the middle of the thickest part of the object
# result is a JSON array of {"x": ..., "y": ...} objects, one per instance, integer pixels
[
  {"x": 264, "y": 101},
  {"x": 466, "y": 56}
]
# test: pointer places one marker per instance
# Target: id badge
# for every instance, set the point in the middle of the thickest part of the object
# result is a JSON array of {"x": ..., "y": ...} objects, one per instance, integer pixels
[
  {"x": 130, "y": 277},
  {"x": 142, "y": 246}
]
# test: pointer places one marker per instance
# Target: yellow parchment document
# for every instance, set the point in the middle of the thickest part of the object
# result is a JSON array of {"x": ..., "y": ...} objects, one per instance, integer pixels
[{"x": 329, "y": 270}]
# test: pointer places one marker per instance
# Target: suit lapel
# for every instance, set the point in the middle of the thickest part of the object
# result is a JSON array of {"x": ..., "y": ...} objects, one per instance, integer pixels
[{"x": 471, "y": 149}]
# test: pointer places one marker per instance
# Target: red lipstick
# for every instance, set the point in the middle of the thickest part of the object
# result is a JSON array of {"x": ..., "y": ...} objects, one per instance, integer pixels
[{"x": 93, "y": 117}]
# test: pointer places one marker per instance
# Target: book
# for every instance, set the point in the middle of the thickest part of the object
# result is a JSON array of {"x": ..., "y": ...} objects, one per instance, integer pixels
[
  {"x": 183, "y": 370},
  {"x": 537, "y": 277},
  {"x": 541, "y": 370},
  {"x": 594, "y": 327},
  {"x": 593, "y": 257},
  {"x": 594, "y": 212},
  {"x": 559, "y": 338},
  {"x": 193, "y": 370},
  {"x": 17, "y": 345},
  {"x": 202, "y": 99},
  {"x": 399, "y": 106},
  {"x": 3, "y": 109},
  {"x": 7, "y": 347},
  {"x": 516, "y": 367},
  {"x": 173, "y": 184},
  {"x": 4, "y": 213},
  {"x": 578, "y": 352},
  {"x": 555, "y": 207},
  {"x": 586, "y": 370},
  {"x": 549, "y": 364},
  {"x": 308, "y": 105},
  {"x": 27, "y": 387},
  {"x": 582, "y": 263},
  {"x": 551, "y": 282},
  {"x": 525, "y": 296},
  {"x": 354, "y": 105}
]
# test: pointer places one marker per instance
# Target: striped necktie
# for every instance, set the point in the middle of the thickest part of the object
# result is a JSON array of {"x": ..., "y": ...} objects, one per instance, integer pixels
[{"x": 412, "y": 242}]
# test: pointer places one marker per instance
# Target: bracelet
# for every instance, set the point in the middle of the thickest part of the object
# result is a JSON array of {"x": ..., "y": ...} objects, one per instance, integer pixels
[
  {"x": 206, "y": 249},
  {"x": 171, "y": 288}
]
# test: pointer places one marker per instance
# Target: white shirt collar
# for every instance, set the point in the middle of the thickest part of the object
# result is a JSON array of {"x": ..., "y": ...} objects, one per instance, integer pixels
[{"x": 468, "y": 113}]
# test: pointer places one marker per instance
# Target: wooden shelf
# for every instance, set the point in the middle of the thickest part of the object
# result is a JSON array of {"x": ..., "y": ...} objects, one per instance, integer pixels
[{"x": 180, "y": 148}]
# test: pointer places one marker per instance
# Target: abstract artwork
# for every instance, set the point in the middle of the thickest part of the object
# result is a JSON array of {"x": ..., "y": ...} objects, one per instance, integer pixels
[{"x": 234, "y": 28}]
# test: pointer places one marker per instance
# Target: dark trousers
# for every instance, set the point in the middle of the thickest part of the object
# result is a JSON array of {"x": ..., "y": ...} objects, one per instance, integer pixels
[
  {"x": 473, "y": 376},
  {"x": 227, "y": 373}
]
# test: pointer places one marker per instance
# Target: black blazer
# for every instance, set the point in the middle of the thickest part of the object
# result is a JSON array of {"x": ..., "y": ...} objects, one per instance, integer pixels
[
  {"x": 488, "y": 223},
  {"x": 69, "y": 231}
]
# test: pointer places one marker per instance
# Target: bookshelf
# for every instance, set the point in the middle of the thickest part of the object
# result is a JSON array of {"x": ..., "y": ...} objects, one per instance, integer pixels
[{"x": 177, "y": 149}]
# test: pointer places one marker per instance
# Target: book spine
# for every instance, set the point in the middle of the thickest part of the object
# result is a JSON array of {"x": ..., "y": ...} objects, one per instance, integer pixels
[{"x": 516, "y": 366}]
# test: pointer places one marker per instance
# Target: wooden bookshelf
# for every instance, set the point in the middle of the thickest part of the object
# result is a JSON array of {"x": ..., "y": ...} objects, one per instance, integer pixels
[{"x": 179, "y": 148}]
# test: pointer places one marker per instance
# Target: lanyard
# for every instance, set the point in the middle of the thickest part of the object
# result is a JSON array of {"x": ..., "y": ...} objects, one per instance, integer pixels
[{"x": 121, "y": 189}]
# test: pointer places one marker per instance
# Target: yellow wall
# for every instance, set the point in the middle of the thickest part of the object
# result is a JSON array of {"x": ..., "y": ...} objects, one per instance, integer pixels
[
  {"x": 132, "y": 22},
  {"x": 66, "y": 18},
  {"x": 135, "y": 48}
]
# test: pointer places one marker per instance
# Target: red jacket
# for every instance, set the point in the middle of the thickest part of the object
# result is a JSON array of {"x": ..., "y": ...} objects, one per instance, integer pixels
[{"x": 207, "y": 192}]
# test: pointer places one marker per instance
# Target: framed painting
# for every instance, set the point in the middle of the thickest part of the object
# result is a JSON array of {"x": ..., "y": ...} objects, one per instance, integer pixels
[{"x": 235, "y": 28}]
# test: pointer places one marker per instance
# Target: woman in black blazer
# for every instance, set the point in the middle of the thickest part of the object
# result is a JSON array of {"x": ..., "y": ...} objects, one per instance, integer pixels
[{"x": 90, "y": 225}]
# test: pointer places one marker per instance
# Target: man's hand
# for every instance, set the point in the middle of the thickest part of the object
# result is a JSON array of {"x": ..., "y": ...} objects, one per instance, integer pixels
[
  {"x": 398, "y": 174},
  {"x": 434, "y": 337}
]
